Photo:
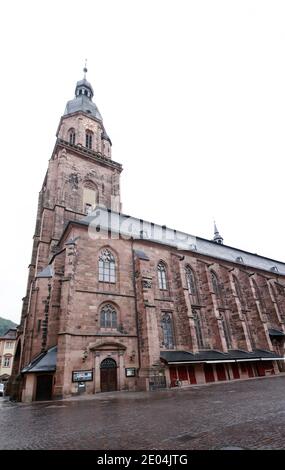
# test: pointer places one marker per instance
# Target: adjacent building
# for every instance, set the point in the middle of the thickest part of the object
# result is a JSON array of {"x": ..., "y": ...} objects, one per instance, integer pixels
[
  {"x": 7, "y": 352},
  {"x": 115, "y": 302}
]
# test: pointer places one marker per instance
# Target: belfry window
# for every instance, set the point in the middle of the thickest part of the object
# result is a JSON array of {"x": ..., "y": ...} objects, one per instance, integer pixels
[
  {"x": 88, "y": 139},
  {"x": 108, "y": 317},
  {"x": 190, "y": 279},
  {"x": 162, "y": 278},
  {"x": 167, "y": 331},
  {"x": 107, "y": 268},
  {"x": 71, "y": 136}
]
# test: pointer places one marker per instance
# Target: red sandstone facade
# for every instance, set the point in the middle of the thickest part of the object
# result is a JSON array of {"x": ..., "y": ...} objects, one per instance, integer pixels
[{"x": 115, "y": 303}]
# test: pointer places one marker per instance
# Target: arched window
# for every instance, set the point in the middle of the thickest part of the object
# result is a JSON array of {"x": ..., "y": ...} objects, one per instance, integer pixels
[
  {"x": 198, "y": 328},
  {"x": 162, "y": 277},
  {"x": 258, "y": 293},
  {"x": 190, "y": 279},
  {"x": 226, "y": 330},
  {"x": 71, "y": 136},
  {"x": 239, "y": 291},
  {"x": 88, "y": 139},
  {"x": 107, "y": 267},
  {"x": 108, "y": 317},
  {"x": 215, "y": 283},
  {"x": 167, "y": 331}
]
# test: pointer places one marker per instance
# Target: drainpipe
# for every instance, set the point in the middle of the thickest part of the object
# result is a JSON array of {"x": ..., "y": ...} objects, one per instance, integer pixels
[{"x": 136, "y": 308}]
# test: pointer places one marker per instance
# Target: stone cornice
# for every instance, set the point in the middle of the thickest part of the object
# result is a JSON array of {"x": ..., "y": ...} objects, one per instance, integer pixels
[{"x": 87, "y": 153}]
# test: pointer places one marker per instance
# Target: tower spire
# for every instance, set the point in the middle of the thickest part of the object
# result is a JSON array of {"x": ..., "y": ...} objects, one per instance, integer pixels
[
  {"x": 217, "y": 237},
  {"x": 85, "y": 70}
]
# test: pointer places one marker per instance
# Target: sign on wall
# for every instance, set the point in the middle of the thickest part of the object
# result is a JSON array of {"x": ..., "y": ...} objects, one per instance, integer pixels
[
  {"x": 130, "y": 372},
  {"x": 82, "y": 375}
]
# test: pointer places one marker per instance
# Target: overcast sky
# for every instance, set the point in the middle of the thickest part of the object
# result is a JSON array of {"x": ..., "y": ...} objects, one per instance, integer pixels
[{"x": 192, "y": 94}]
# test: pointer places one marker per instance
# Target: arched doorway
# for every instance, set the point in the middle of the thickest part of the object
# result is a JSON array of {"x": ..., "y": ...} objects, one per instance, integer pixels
[{"x": 108, "y": 375}]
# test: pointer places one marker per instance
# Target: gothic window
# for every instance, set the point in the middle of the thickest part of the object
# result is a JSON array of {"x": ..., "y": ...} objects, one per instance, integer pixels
[
  {"x": 108, "y": 317},
  {"x": 71, "y": 136},
  {"x": 162, "y": 278},
  {"x": 198, "y": 328},
  {"x": 257, "y": 292},
  {"x": 226, "y": 330},
  {"x": 238, "y": 290},
  {"x": 249, "y": 332},
  {"x": 88, "y": 139},
  {"x": 190, "y": 279},
  {"x": 107, "y": 269},
  {"x": 215, "y": 283},
  {"x": 167, "y": 331}
]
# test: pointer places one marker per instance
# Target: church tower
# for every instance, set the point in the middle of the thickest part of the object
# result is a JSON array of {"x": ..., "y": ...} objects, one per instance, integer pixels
[{"x": 80, "y": 175}]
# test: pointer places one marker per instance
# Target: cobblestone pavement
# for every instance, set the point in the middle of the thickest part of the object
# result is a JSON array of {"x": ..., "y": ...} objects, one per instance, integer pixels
[{"x": 245, "y": 414}]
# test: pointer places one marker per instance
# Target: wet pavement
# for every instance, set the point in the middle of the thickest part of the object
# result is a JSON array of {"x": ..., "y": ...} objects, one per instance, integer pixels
[{"x": 243, "y": 414}]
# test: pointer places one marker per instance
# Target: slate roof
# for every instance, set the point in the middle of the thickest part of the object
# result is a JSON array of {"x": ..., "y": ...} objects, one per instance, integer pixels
[
  {"x": 132, "y": 227},
  {"x": 10, "y": 334},
  {"x": 212, "y": 355},
  {"x": 44, "y": 362},
  {"x": 274, "y": 332},
  {"x": 84, "y": 104}
]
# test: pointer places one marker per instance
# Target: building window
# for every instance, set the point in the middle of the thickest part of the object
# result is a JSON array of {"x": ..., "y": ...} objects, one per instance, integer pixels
[
  {"x": 162, "y": 278},
  {"x": 216, "y": 285},
  {"x": 198, "y": 328},
  {"x": 108, "y": 317},
  {"x": 88, "y": 208},
  {"x": 71, "y": 136},
  {"x": 239, "y": 291},
  {"x": 7, "y": 361},
  {"x": 190, "y": 279},
  {"x": 226, "y": 331},
  {"x": 107, "y": 269},
  {"x": 9, "y": 344},
  {"x": 88, "y": 139},
  {"x": 167, "y": 331}
]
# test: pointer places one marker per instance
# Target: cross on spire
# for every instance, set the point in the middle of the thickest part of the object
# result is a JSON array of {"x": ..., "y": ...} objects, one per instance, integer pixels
[{"x": 85, "y": 70}]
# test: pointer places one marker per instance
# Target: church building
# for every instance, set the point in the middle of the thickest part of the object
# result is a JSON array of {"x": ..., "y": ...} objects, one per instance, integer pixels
[{"x": 115, "y": 302}]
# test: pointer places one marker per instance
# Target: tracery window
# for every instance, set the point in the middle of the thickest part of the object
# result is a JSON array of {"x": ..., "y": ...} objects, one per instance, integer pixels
[
  {"x": 88, "y": 139},
  {"x": 190, "y": 279},
  {"x": 198, "y": 328},
  {"x": 162, "y": 277},
  {"x": 107, "y": 267},
  {"x": 167, "y": 331},
  {"x": 239, "y": 291},
  {"x": 215, "y": 283},
  {"x": 108, "y": 317},
  {"x": 226, "y": 330}
]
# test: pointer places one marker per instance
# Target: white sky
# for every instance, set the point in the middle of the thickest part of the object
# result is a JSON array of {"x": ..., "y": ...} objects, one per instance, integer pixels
[{"x": 192, "y": 94}]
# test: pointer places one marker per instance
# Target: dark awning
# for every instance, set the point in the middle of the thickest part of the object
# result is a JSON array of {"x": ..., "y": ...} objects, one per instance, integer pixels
[
  {"x": 45, "y": 362},
  {"x": 276, "y": 333},
  {"x": 213, "y": 356}
]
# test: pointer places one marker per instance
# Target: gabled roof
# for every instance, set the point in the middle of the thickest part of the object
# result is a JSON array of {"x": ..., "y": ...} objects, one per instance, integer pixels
[{"x": 131, "y": 227}]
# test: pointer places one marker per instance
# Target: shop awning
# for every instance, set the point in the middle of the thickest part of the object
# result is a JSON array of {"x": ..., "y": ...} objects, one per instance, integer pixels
[
  {"x": 45, "y": 362},
  {"x": 214, "y": 356}
]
